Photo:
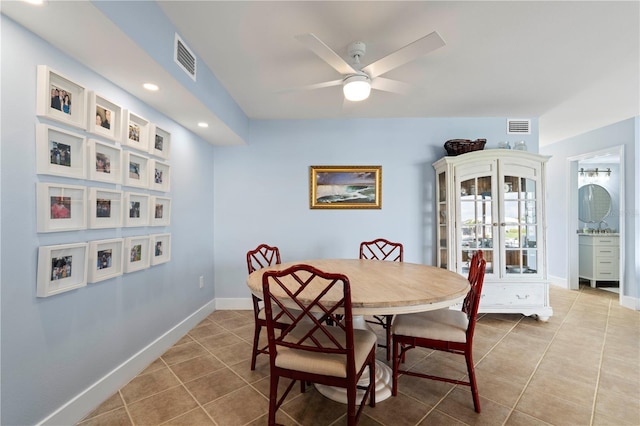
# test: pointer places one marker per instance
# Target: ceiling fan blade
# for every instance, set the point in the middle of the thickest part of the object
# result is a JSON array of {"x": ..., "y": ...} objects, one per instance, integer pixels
[
  {"x": 405, "y": 54},
  {"x": 312, "y": 86},
  {"x": 394, "y": 86},
  {"x": 325, "y": 53}
]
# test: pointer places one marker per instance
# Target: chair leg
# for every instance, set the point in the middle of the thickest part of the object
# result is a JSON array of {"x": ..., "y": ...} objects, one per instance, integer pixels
[
  {"x": 472, "y": 380},
  {"x": 388, "y": 330},
  {"x": 256, "y": 336},
  {"x": 396, "y": 366},
  {"x": 351, "y": 405},
  {"x": 273, "y": 399}
]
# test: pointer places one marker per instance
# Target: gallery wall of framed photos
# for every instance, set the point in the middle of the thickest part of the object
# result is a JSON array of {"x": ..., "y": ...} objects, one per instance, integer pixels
[{"x": 117, "y": 173}]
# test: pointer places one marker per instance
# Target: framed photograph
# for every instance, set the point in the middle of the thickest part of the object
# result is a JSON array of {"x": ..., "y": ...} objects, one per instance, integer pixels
[
  {"x": 106, "y": 259},
  {"x": 160, "y": 248},
  {"x": 136, "y": 209},
  {"x": 105, "y": 162},
  {"x": 60, "y": 99},
  {"x": 61, "y": 268},
  {"x": 159, "y": 211},
  {"x": 135, "y": 131},
  {"x": 159, "y": 142},
  {"x": 135, "y": 170},
  {"x": 346, "y": 187},
  {"x": 136, "y": 251},
  {"x": 105, "y": 208},
  {"x": 61, "y": 207},
  {"x": 105, "y": 117},
  {"x": 160, "y": 177},
  {"x": 60, "y": 153}
]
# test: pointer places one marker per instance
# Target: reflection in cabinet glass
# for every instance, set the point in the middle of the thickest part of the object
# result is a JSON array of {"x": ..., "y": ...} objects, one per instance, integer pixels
[{"x": 494, "y": 201}]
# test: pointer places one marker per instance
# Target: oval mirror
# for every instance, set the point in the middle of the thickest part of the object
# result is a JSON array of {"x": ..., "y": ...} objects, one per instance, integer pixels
[{"x": 594, "y": 203}]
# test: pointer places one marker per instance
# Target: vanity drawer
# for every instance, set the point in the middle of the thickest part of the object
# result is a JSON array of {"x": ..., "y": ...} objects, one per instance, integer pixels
[
  {"x": 607, "y": 269},
  {"x": 606, "y": 252},
  {"x": 508, "y": 295},
  {"x": 601, "y": 240}
]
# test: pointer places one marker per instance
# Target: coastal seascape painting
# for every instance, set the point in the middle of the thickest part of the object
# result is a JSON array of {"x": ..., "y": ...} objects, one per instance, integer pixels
[{"x": 346, "y": 187}]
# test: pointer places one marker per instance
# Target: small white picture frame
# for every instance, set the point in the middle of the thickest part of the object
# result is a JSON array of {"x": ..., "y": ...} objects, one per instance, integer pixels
[
  {"x": 106, "y": 259},
  {"x": 136, "y": 209},
  {"x": 135, "y": 170},
  {"x": 159, "y": 211},
  {"x": 159, "y": 142},
  {"x": 61, "y": 268},
  {"x": 160, "y": 176},
  {"x": 59, "y": 152},
  {"x": 60, "y": 99},
  {"x": 105, "y": 208},
  {"x": 135, "y": 132},
  {"x": 104, "y": 162},
  {"x": 160, "y": 248},
  {"x": 61, "y": 207},
  {"x": 104, "y": 117},
  {"x": 136, "y": 252}
]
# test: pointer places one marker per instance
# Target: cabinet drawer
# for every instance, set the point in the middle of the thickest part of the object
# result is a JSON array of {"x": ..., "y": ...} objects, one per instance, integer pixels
[
  {"x": 607, "y": 269},
  {"x": 606, "y": 252},
  {"x": 512, "y": 295},
  {"x": 611, "y": 240}
]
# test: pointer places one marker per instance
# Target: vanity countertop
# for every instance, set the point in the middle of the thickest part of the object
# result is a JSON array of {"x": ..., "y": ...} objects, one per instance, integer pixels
[{"x": 599, "y": 234}]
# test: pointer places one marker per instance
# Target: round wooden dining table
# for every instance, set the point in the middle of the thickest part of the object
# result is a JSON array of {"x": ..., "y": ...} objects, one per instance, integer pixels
[{"x": 381, "y": 287}]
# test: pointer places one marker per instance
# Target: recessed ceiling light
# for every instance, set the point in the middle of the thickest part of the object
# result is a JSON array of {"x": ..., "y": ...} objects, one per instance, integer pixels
[
  {"x": 150, "y": 86},
  {"x": 36, "y": 2},
  {"x": 203, "y": 124}
]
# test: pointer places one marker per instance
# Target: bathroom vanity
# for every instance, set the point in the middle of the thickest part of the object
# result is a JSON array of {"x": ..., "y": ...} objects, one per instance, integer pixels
[{"x": 599, "y": 257}]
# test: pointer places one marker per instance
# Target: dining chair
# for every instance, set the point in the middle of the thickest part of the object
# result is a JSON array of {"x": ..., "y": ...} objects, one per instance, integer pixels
[
  {"x": 258, "y": 258},
  {"x": 308, "y": 350},
  {"x": 446, "y": 330},
  {"x": 381, "y": 249}
]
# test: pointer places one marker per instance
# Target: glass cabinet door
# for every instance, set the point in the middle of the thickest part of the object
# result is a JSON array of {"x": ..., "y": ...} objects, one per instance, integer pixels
[
  {"x": 475, "y": 227},
  {"x": 443, "y": 222},
  {"x": 520, "y": 225}
]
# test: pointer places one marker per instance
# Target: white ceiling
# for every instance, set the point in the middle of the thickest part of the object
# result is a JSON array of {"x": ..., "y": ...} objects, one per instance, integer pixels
[{"x": 514, "y": 59}]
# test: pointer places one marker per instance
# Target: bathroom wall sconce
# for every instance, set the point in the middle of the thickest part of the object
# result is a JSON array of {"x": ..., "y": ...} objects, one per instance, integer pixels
[{"x": 594, "y": 172}]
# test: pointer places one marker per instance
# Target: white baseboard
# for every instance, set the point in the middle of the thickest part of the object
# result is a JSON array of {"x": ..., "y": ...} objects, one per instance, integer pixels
[
  {"x": 630, "y": 302},
  {"x": 559, "y": 282},
  {"x": 81, "y": 405},
  {"x": 234, "y": 304}
]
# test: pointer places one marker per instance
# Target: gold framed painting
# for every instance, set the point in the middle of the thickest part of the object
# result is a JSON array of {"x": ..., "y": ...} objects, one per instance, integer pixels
[{"x": 345, "y": 187}]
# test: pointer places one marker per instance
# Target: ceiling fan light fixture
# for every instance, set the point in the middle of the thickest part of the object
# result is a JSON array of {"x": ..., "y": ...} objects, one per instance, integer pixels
[{"x": 356, "y": 87}]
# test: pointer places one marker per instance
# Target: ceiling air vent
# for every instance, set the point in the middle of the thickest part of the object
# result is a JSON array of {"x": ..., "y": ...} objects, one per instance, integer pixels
[
  {"x": 184, "y": 57},
  {"x": 518, "y": 127}
]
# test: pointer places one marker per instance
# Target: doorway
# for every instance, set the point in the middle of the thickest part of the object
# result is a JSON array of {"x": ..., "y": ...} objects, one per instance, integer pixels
[{"x": 582, "y": 171}]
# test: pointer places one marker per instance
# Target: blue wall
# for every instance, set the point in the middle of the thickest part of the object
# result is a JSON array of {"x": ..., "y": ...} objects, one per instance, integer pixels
[
  {"x": 262, "y": 190},
  {"x": 54, "y": 348},
  {"x": 624, "y": 133}
]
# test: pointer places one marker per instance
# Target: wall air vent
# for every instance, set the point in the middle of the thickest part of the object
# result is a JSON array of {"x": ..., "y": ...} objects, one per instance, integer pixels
[
  {"x": 518, "y": 127},
  {"x": 184, "y": 57}
]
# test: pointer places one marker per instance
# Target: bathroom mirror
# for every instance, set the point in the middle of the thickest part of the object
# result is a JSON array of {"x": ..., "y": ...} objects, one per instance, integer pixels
[{"x": 594, "y": 203}]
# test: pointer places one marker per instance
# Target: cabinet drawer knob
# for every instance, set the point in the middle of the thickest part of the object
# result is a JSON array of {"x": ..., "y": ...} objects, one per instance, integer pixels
[{"x": 526, "y": 296}]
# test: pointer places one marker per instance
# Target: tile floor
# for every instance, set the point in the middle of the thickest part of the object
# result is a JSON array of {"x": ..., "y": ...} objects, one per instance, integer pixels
[{"x": 579, "y": 368}]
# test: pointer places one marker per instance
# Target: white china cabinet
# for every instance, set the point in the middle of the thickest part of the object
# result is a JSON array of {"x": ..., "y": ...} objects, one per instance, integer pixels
[{"x": 494, "y": 201}]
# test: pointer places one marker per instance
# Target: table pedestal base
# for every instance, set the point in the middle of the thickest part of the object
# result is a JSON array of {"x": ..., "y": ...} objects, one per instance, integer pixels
[
  {"x": 384, "y": 376},
  {"x": 383, "y": 385}
]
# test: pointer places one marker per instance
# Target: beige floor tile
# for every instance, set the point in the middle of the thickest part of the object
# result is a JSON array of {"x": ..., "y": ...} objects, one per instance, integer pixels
[
  {"x": 111, "y": 403},
  {"x": 215, "y": 385},
  {"x": 117, "y": 417},
  {"x": 238, "y": 408},
  {"x": 548, "y": 370},
  {"x": 459, "y": 405},
  {"x": 438, "y": 418},
  {"x": 196, "y": 367},
  {"x": 148, "y": 384},
  {"x": 162, "y": 407},
  {"x": 183, "y": 352},
  {"x": 553, "y": 409},
  {"x": 518, "y": 418},
  {"x": 195, "y": 417},
  {"x": 398, "y": 410},
  {"x": 624, "y": 407}
]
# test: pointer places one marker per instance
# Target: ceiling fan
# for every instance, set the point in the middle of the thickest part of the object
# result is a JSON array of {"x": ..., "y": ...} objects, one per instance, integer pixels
[{"x": 358, "y": 80}]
